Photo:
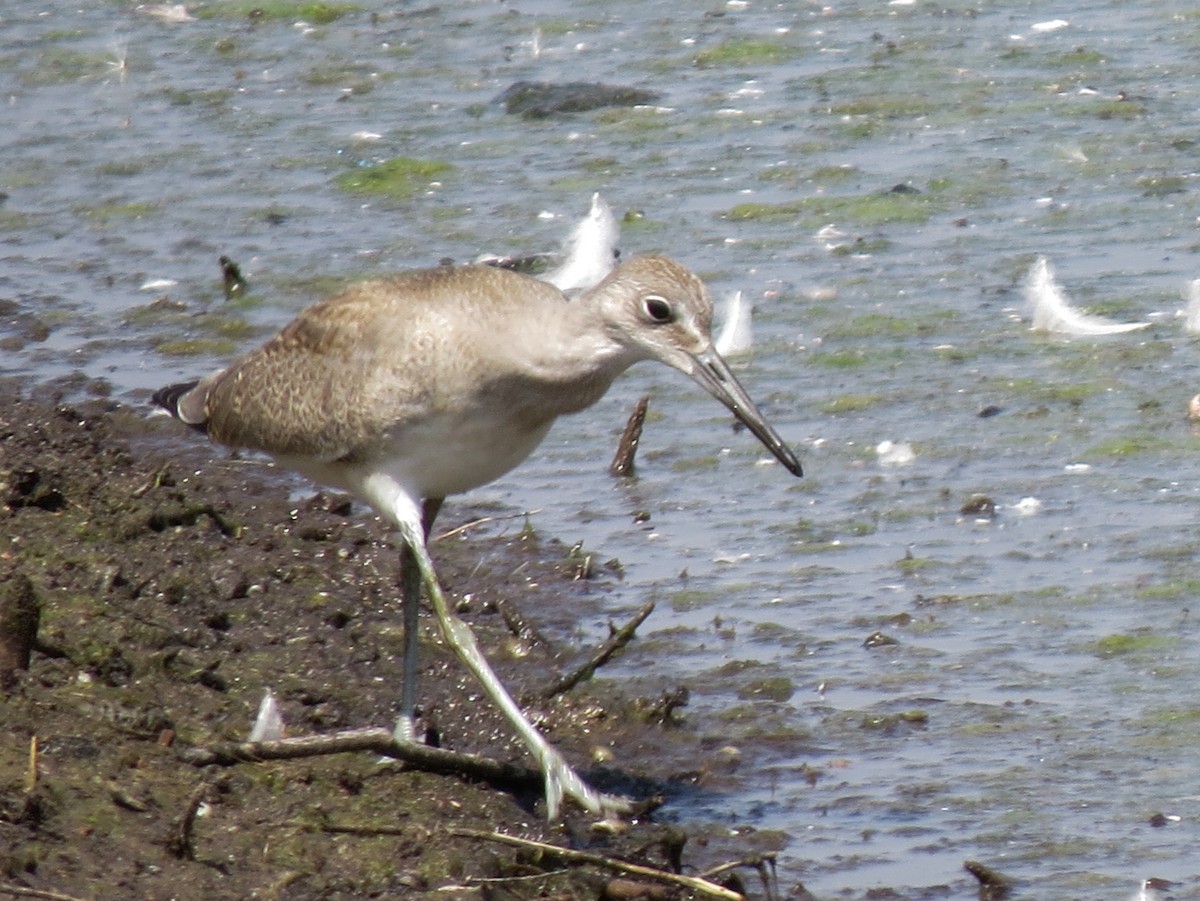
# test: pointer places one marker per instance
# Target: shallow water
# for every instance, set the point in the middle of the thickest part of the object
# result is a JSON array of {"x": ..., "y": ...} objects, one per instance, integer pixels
[{"x": 1038, "y": 707}]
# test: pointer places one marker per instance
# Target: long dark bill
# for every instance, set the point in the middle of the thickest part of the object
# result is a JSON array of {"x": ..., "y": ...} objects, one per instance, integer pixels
[{"x": 714, "y": 375}]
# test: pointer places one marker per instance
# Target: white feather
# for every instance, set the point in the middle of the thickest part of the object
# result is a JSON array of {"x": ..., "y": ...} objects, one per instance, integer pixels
[
  {"x": 1052, "y": 310},
  {"x": 268, "y": 725},
  {"x": 1191, "y": 315},
  {"x": 589, "y": 254},
  {"x": 737, "y": 329}
]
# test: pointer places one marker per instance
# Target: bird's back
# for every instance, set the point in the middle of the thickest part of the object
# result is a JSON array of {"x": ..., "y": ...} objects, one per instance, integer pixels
[{"x": 371, "y": 359}]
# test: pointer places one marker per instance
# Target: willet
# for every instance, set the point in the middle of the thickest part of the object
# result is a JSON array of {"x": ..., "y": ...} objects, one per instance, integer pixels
[{"x": 407, "y": 389}]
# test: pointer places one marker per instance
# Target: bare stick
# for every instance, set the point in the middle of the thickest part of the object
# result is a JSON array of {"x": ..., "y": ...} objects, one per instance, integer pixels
[
  {"x": 483, "y": 520},
  {"x": 622, "y": 464},
  {"x": 518, "y": 625},
  {"x": 182, "y": 844},
  {"x": 615, "y": 643},
  {"x": 343, "y": 829},
  {"x": 691, "y": 882},
  {"x": 380, "y": 741},
  {"x": 763, "y": 863},
  {"x": 21, "y": 892}
]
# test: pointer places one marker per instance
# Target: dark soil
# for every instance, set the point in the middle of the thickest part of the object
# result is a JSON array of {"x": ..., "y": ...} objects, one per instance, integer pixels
[{"x": 175, "y": 585}]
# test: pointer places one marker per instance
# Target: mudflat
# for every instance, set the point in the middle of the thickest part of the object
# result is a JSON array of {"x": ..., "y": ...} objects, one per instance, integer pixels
[{"x": 174, "y": 585}]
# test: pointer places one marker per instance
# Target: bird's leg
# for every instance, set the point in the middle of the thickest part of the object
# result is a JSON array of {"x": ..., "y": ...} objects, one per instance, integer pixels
[
  {"x": 410, "y": 597},
  {"x": 560, "y": 778}
]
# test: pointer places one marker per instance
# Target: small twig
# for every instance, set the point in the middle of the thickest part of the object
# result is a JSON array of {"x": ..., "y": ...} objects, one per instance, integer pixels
[
  {"x": 759, "y": 862},
  {"x": 483, "y": 520},
  {"x": 31, "y": 799},
  {"x": 691, "y": 882},
  {"x": 518, "y": 625},
  {"x": 622, "y": 464},
  {"x": 33, "y": 773},
  {"x": 753, "y": 862},
  {"x": 183, "y": 843},
  {"x": 615, "y": 643},
  {"x": 157, "y": 479},
  {"x": 343, "y": 829},
  {"x": 22, "y": 892},
  {"x": 380, "y": 741},
  {"x": 513, "y": 880}
]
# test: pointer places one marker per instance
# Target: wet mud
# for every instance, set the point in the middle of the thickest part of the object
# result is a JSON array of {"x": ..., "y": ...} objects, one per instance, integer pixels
[{"x": 171, "y": 586}]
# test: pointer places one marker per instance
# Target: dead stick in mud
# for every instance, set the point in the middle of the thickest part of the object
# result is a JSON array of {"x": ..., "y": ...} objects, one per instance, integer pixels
[
  {"x": 615, "y": 643},
  {"x": 691, "y": 882},
  {"x": 21, "y": 891},
  {"x": 183, "y": 843},
  {"x": 518, "y": 625},
  {"x": 380, "y": 741},
  {"x": 482, "y": 520},
  {"x": 761, "y": 863},
  {"x": 622, "y": 464}
]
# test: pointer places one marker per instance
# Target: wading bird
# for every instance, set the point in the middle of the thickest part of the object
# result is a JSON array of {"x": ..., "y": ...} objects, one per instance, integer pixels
[{"x": 404, "y": 390}]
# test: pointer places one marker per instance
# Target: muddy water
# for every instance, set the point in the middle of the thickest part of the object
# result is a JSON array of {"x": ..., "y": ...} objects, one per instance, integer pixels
[{"x": 1031, "y": 700}]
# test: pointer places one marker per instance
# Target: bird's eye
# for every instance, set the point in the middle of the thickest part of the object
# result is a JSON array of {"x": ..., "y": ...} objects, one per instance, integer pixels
[{"x": 658, "y": 309}]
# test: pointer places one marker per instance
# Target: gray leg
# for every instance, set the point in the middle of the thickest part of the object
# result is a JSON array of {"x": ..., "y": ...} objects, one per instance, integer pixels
[
  {"x": 560, "y": 778},
  {"x": 410, "y": 595}
]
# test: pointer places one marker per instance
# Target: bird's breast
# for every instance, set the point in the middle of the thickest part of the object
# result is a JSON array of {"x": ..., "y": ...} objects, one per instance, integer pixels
[{"x": 438, "y": 456}]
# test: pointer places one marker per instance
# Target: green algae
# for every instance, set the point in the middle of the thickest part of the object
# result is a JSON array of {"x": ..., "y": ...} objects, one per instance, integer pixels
[
  {"x": 399, "y": 178},
  {"x": 770, "y": 688},
  {"x": 106, "y": 214},
  {"x": 276, "y": 10},
  {"x": 746, "y": 52},
  {"x": 1134, "y": 644},
  {"x": 1135, "y": 445},
  {"x": 851, "y": 403},
  {"x": 886, "y": 325},
  {"x": 890, "y": 722},
  {"x": 197, "y": 347},
  {"x": 859, "y": 357},
  {"x": 1043, "y": 391},
  {"x": 686, "y": 599},
  {"x": 59, "y": 65},
  {"x": 1173, "y": 589},
  {"x": 865, "y": 210},
  {"x": 914, "y": 566}
]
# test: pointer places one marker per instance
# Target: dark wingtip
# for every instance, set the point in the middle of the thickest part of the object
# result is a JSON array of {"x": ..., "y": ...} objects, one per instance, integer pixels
[{"x": 169, "y": 399}]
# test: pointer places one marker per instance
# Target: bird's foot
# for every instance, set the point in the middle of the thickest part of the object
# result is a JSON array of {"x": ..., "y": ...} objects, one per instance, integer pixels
[
  {"x": 405, "y": 731},
  {"x": 562, "y": 781}
]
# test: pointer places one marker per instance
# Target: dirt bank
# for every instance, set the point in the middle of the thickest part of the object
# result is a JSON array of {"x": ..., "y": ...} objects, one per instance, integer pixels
[{"x": 176, "y": 585}]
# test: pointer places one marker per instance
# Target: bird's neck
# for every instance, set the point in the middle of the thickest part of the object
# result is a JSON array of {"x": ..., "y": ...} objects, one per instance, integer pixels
[{"x": 576, "y": 359}]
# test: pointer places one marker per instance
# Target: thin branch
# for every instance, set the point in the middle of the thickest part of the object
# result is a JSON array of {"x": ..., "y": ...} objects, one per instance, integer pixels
[
  {"x": 345, "y": 829},
  {"x": 20, "y": 891},
  {"x": 615, "y": 643},
  {"x": 690, "y": 882},
  {"x": 764, "y": 864},
  {"x": 518, "y": 625},
  {"x": 467, "y": 526},
  {"x": 380, "y": 741},
  {"x": 183, "y": 843}
]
